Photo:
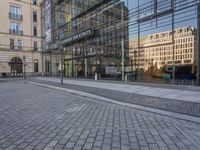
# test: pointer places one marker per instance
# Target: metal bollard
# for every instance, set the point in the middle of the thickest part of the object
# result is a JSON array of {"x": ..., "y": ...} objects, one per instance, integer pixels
[
  {"x": 96, "y": 77},
  {"x": 126, "y": 78}
]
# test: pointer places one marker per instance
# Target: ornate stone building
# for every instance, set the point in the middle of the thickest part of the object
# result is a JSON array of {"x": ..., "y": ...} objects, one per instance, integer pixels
[{"x": 20, "y": 37}]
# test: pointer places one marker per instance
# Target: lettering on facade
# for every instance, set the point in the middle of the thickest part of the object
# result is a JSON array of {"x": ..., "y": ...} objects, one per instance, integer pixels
[{"x": 78, "y": 36}]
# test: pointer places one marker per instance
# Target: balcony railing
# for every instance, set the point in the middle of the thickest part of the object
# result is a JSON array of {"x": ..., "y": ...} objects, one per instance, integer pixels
[
  {"x": 19, "y": 32},
  {"x": 15, "y": 16},
  {"x": 15, "y": 47}
]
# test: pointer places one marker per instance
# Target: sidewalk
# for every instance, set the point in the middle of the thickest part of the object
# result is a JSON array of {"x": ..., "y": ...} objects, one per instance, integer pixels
[
  {"x": 10, "y": 79},
  {"x": 152, "y": 91}
]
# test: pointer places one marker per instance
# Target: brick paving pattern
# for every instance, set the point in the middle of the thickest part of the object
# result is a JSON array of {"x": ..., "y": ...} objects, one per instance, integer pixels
[
  {"x": 183, "y": 107},
  {"x": 33, "y": 117}
]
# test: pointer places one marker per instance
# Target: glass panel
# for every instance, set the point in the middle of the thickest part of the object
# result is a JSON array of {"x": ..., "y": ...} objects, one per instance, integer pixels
[{"x": 150, "y": 40}]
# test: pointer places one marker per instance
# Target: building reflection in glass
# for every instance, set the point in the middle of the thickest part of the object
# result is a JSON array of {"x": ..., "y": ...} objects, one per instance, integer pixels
[
  {"x": 87, "y": 55},
  {"x": 94, "y": 33}
]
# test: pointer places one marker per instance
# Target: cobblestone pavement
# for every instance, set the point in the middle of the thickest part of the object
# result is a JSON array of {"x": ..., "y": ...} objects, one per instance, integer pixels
[
  {"x": 32, "y": 117},
  {"x": 183, "y": 107}
]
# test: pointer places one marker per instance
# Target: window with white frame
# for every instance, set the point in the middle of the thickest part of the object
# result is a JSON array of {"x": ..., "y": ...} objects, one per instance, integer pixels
[
  {"x": 15, "y": 27},
  {"x": 12, "y": 44},
  {"x": 35, "y": 46},
  {"x": 34, "y": 16},
  {"x": 20, "y": 44},
  {"x": 14, "y": 10}
]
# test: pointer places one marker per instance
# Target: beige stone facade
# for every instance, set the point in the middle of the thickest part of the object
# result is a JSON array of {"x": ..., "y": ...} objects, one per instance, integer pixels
[
  {"x": 20, "y": 36},
  {"x": 157, "y": 49}
]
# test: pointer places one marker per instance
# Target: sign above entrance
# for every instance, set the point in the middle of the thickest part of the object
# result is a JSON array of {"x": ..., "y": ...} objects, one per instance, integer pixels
[{"x": 78, "y": 36}]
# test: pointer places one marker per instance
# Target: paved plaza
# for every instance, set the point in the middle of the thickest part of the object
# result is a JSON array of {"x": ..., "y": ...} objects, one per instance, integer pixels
[
  {"x": 175, "y": 94},
  {"x": 150, "y": 95},
  {"x": 34, "y": 117}
]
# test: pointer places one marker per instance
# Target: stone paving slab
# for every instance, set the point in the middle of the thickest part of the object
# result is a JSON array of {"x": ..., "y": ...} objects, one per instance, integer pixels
[
  {"x": 140, "y": 83},
  {"x": 33, "y": 117},
  {"x": 175, "y": 94},
  {"x": 112, "y": 101},
  {"x": 182, "y": 107}
]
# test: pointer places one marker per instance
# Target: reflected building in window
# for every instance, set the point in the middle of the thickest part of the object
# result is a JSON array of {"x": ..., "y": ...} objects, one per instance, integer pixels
[
  {"x": 93, "y": 33},
  {"x": 157, "y": 49}
]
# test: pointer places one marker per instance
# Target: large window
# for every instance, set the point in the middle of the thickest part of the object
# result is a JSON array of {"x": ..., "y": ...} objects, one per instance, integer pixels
[
  {"x": 15, "y": 11},
  {"x": 12, "y": 44},
  {"x": 35, "y": 47},
  {"x": 35, "y": 31},
  {"x": 20, "y": 44},
  {"x": 34, "y": 16},
  {"x": 15, "y": 28}
]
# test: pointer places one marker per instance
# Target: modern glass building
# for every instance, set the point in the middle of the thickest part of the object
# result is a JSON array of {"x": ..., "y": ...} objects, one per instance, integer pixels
[
  {"x": 95, "y": 36},
  {"x": 149, "y": 40}
]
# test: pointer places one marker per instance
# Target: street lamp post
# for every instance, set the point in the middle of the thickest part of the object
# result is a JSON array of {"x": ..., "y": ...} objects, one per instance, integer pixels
[
  {"x": 62, "y": 49},
  {"x": 62, "y": 68},
  {"x": 61, "y": 63},
  {"x": 135, "y": 53},
  {"x": 24, "y": 66},
  {"x": 198, "y": 43},
  {"x": 122, "y": 42}
]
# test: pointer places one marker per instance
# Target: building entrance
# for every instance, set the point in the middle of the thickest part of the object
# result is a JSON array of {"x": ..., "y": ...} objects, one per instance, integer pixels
[
  {"x": 80, "y": 67},
  {"x": 75, "y": 68},
  {"x": 16, "y": 67}
]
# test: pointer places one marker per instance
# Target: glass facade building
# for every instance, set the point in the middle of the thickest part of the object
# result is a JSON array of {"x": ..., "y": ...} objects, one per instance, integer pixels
[
  {"x": 100, "y": 51},
  {"x": 149, "y": 40}
]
